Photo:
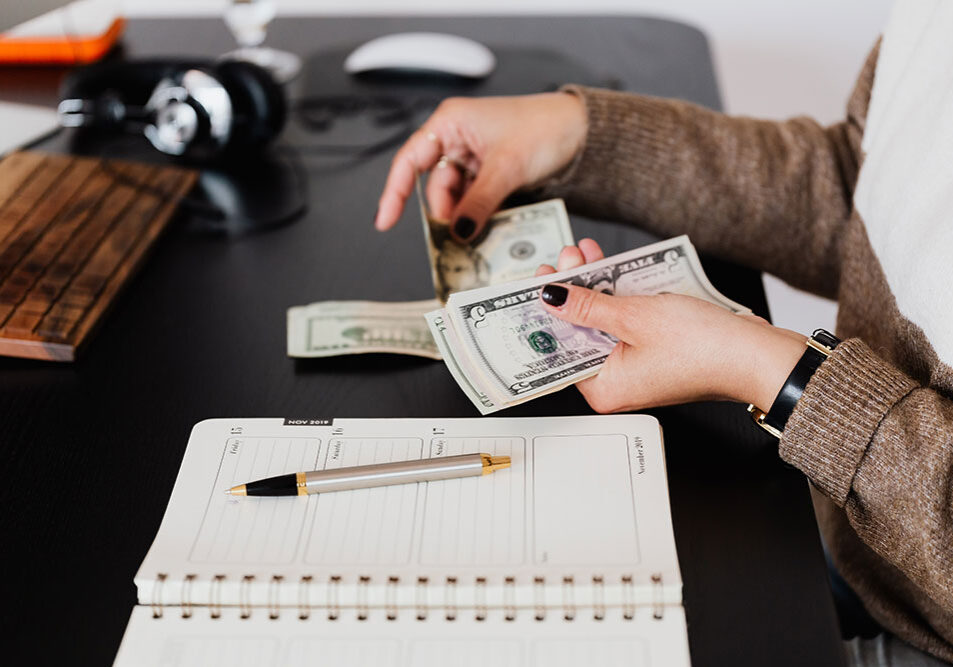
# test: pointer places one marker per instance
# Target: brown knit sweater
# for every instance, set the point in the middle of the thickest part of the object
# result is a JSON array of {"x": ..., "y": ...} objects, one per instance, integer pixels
[{"x": 873, "y": 431}]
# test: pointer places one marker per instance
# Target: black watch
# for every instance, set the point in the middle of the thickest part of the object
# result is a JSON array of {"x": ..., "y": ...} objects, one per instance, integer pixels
[{"x": 819, "y": 347}]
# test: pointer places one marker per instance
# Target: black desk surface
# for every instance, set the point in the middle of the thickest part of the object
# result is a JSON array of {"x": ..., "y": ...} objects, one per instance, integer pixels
[{"x": 89, "y": 451}]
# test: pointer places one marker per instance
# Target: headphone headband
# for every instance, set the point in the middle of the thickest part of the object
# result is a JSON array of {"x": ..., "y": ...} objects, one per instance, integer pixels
[{"x": 134, "y": 79}]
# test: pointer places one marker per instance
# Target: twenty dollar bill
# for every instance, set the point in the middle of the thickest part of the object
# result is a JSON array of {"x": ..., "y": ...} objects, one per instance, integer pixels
[
  {"x": 513, "y": 245},
  {"x": 332, "y": 328},
  {"x": 503, "y": 348}
]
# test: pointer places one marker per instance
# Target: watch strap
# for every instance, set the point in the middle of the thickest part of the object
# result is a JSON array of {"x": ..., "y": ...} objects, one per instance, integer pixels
[
  {"x": 793, "y": 389},
  {"x": 819, "y": 346}
]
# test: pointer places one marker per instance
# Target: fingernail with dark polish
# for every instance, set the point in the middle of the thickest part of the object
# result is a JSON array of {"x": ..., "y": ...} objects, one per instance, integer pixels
[
  {"x": 555, "y": 295},
  {"x": 464, "y": 227}
]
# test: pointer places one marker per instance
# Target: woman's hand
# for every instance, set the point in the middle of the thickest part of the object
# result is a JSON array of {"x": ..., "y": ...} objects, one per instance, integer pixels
[
  {"x": 490, "y": 147},
  {"x": 672, "y": 348}
]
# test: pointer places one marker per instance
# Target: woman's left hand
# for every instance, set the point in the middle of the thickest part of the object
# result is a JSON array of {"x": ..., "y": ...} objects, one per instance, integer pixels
[{"x": 672, "y": 348}]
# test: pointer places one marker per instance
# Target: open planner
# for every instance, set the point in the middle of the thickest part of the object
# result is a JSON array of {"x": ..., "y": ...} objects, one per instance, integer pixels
[{"x": 565, "y": 558}]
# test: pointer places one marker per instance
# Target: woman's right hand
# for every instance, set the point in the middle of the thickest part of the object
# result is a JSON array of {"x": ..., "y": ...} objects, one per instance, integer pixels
[{"x": 491, "y": 147}]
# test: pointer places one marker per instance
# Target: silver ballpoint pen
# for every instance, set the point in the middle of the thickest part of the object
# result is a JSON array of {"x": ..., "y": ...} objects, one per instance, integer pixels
[{"x": 378, "y": 474}]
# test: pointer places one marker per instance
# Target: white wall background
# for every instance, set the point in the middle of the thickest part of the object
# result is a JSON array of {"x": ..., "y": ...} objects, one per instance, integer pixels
[{"x": 774, "y": 59}]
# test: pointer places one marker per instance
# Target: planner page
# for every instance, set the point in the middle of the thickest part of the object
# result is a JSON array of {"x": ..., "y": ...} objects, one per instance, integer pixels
[
  {"x": 581, "y": 514},
  {"x": 231, "y": 641}
]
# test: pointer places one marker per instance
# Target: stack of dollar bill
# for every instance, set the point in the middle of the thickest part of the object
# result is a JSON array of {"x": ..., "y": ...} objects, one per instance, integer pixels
[
  {"x": 514, "y": 243},
  {"x": 503, "y": 348},
  {"x": 499, "y": 343}
]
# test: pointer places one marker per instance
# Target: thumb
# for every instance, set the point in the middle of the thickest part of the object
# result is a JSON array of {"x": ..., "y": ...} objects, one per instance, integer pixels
[
  {"x": 586, "y": 308},
  {"x": 496, "y": 179}
]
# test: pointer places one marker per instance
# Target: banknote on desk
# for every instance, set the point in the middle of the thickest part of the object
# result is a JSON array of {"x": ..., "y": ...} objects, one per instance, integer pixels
[
  {"x": 515, "y": 242},
  {"x": 333, "y": 328},
  {"x": 503, "y": 348}
]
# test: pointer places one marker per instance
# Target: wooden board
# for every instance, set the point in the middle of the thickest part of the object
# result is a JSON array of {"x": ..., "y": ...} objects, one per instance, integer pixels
[{"x": 72, "y": 232}]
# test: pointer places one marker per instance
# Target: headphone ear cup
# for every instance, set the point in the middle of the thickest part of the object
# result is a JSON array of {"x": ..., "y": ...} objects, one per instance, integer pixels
[{"x": 258, "y": 103}]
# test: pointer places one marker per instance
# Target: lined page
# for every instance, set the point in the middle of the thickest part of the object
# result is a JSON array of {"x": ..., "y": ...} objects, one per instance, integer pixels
[
  {"x": 365, "y": 526},
  {"x": 334, "y": 652},
  {"x": 612, "y": 652},
  {"x": 267, "y": 530},
  {"x": 230, "y": 641},
  {"x": 471, "y": 651},
  {"x": 476, "y": 520}
]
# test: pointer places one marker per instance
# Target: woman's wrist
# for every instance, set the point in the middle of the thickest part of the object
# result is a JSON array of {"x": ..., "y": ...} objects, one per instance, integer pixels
[
  {"x": 769, "y": 355},
  {"x": 576, "y": 121},
  {"x": 570, "y": 125}
]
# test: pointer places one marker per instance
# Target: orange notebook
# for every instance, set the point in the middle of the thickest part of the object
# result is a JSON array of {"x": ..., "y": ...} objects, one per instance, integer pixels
[{"x": 51, "y": 39}]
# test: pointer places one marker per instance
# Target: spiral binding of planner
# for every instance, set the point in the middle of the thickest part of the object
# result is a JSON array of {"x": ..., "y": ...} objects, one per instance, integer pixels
[{"x": 451, "y": 606}]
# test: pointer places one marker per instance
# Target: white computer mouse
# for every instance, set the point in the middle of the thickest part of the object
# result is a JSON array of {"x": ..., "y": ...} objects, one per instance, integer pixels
[{"x": 422, "y": 52}]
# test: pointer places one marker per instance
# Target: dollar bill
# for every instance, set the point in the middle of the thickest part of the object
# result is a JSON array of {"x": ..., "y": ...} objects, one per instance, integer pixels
[
  {"x": 332, "y": 328},
  {"x": 511, "y": 247},
  {"x": 514, "y": 243},
  {"x": 445, "y": 341},
  {"x": 503, "y": 348}
]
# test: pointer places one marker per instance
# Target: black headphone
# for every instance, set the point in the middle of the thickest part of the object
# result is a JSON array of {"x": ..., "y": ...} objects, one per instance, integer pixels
[{"x": 198, "y": 110}]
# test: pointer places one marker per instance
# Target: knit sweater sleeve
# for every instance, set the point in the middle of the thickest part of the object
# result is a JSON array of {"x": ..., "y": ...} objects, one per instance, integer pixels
[
  {"x": 747, "y": 190},
  {"x": 881, "y": 447}
]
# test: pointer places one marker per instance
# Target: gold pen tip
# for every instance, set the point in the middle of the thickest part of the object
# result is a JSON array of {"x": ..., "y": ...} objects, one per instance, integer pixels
[
  {"x": 236, "y": 491},
  {"x": 491, "y": 463}
]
